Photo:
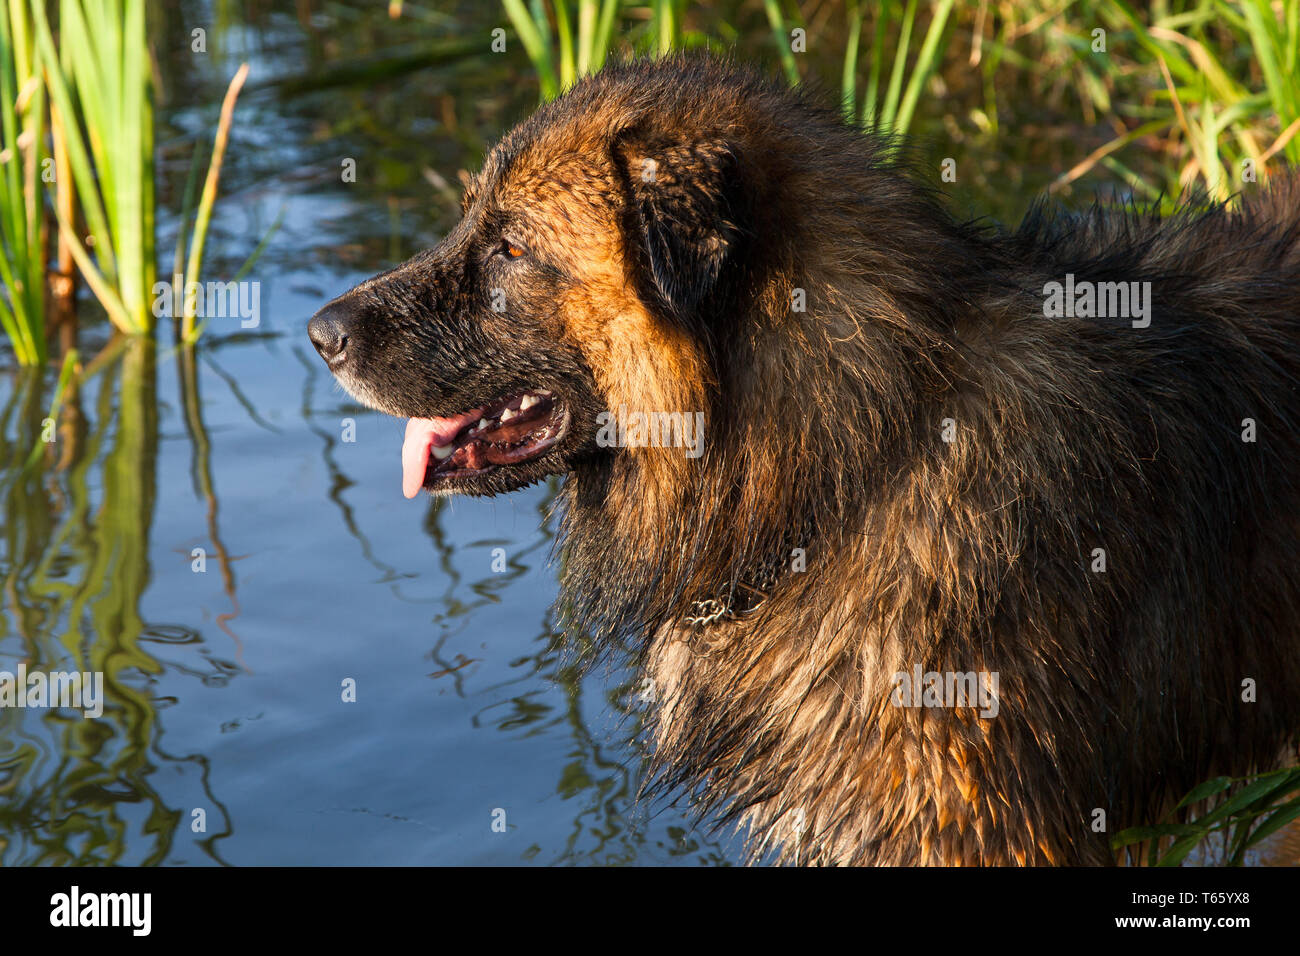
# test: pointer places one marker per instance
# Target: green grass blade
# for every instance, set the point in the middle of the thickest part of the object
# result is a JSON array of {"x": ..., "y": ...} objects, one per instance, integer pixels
[
  {"x": 889, "y": 110},
  {"x": 536, "y": 46},
  {"x": 78, "y": 155},
  {"x": 604, "y": 33},
  {"x": 926, "y": 63},
  {"x": 668, "y": 25},
  {"x": 188, "y": 199},
  {"x": 99, "y": 284},
  {"x": 1262, "y": 27},
  {"x": 134, "y": 247},
  {"x": 781, "y": 35},
  {"x": 22, "y": 138},
  {"x": 588, "y": 10},
  {"x": 564, "y": 33},
  {"x": 204, "y": 214},
  {"x": 1274, "y": 822},
  {"x": 849, "y": 74},
  {"x": 871, "y": 99},
  {"x": 96, "y": 89}
]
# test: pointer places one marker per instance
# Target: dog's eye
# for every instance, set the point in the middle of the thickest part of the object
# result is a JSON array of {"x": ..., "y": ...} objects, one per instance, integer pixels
[{"x": 510, "y": 250}]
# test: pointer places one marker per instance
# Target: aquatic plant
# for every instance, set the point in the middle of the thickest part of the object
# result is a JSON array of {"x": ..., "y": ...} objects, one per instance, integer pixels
[{"x": 22, "y": 214}]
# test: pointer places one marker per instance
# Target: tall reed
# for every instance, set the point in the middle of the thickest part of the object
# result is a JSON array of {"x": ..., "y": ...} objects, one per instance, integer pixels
[
  {"x": 101, "y": 97},
  {"x": 193, "y": 257},
  {"x": 1213, "y": 83},
  {"x": 559, "y": 52},
  {"x": 22, "y": 215},
  {"x": 893, "y": 109},
  {"x": 99, "y": 82}
]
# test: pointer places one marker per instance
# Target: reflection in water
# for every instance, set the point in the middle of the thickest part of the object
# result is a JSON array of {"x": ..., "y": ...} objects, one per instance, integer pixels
[
  {"x": 201, "y": 474},
  {"x": 339, "y": 482},
  {"x": 543, "y": 695},
  {"x": 76, "y": 566}
]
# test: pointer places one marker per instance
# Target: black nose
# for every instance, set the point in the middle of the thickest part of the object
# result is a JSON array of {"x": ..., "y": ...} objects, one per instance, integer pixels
[{"x": 328, "y": 331}]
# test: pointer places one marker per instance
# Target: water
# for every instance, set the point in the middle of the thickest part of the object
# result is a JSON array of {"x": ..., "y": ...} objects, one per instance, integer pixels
[
  {"x": 225, "y": 685},
  {"x": 225, "y": 738}
]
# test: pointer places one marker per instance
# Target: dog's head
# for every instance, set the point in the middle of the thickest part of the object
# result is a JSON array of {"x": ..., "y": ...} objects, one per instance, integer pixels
[{"x": 587, "y": 274}]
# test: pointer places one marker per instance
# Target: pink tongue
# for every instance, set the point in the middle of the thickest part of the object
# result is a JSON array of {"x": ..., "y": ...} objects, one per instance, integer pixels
[{"x": 421, "y": 435}]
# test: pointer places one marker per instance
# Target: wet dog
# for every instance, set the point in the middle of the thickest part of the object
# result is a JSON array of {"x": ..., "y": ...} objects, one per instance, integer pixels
[{"x": 988, "y": 547}]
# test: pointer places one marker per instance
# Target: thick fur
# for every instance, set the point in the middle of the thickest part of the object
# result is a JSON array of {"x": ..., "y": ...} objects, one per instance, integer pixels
[{"x": 916, "y": 469}]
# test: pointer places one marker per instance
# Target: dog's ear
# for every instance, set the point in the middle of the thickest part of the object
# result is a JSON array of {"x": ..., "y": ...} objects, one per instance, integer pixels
[{"x": 681, "y": 213}]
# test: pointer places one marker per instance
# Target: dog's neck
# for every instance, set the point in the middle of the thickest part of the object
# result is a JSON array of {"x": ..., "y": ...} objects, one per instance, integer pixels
[
  {"x": 631, "y": 565},
  {"x": 810, "y": 409}
]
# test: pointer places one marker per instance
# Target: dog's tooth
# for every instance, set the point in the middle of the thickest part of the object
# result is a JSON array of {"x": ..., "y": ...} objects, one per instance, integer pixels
[
  {"x": 507, "y": 414},
  {"x": 483, "y": 423},
  {"x": 442, "y": 452},
  {"x": 528, "y": 402}
]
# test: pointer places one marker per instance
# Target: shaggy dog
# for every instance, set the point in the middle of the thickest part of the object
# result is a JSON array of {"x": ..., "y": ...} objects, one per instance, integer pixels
[{"x": 937, "y": 544}]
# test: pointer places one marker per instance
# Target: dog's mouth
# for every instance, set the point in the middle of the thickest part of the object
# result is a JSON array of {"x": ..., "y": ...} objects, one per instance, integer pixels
[{"x": 504, "y": 433}]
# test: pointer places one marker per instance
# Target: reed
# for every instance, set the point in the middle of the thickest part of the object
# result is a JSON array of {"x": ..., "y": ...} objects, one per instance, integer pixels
[
  {"x": 22, "y": 214},
  {"x": 891, "y": 111},
  {"x": 1243, "y": 813},
  {"x": 564, "y": 41},
  {"x": 779, "y": 20},
  {"x": 1212, "y": 83},
  {"x": 203, "y": 215},
  {"x": 99, "y": 83},
  {"x": 101, "y": 96}
]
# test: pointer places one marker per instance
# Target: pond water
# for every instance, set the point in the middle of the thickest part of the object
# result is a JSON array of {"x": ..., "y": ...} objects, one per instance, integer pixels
[
  {"x": 224, "y": 736},
  {"x": 221, "y": 532}
]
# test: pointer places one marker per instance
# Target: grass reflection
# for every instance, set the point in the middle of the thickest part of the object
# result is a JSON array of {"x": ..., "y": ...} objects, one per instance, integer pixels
[{"x": 79, "y": 791}]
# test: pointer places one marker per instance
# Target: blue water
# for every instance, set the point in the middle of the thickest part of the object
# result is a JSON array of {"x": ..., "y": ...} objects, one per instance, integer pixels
[
  {"x": 466, "y": 700},
  {"x": 226, "y": 738}
]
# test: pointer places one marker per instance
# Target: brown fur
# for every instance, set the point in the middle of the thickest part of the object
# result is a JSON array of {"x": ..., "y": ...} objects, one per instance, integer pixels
[{"x": 1118, "y": 690}]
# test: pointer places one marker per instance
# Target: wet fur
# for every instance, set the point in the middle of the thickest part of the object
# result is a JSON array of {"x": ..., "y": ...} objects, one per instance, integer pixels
[{"x": 1118, "y": 690}]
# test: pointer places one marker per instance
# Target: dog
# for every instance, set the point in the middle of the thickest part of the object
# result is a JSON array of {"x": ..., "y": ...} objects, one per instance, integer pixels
[{"x": 985, "y": 545}]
